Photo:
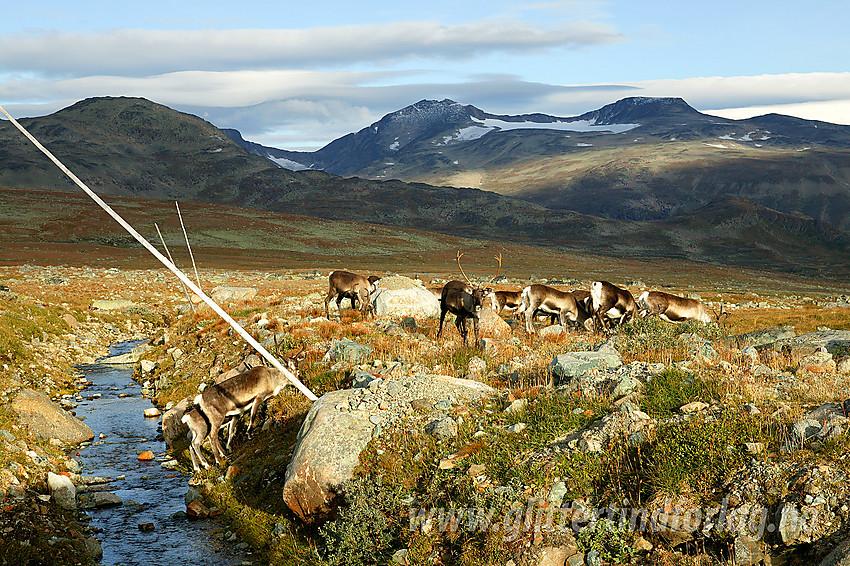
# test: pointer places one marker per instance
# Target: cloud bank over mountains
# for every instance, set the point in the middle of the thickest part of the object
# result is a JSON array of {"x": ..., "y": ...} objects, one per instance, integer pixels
[{"x": 302, "y": 88}]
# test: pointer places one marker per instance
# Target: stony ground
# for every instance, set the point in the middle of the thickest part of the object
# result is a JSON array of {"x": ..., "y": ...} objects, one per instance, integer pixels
[{"x": 56, "y": 317}]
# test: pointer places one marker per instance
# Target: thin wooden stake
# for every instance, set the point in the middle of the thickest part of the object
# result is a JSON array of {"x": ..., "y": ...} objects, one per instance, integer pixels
[
  {"x": 185, "y": 235},
  {"x": 171, "y": 259}
]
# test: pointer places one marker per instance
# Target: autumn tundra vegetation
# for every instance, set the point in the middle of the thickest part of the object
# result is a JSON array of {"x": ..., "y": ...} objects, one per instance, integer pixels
[{"x": 587, "y": 429}]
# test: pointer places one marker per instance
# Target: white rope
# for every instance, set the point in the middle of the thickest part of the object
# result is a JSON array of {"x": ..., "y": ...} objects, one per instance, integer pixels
[{"x": 180, "y": 275}]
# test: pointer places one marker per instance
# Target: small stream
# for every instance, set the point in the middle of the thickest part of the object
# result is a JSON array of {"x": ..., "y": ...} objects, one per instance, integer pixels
[{"x": 150, "y": 493}]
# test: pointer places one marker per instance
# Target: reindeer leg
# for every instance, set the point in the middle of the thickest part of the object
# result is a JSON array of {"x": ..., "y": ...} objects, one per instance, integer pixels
[
  {"x": 255, "y": 406},
  {"x": 215, "y": 443},
  {"x": 475, "y": 327},
  {"x": 231, "y": 428},
  {"x": 529, "y": 325},
  {"x": 327, "y": 300},
  {"x": 442, "y": 318},
  {"x": 460, "y": 322}
]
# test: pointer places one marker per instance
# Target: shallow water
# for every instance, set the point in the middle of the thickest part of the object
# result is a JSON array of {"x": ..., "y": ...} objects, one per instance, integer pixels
[{"x": 150, "y": 493}]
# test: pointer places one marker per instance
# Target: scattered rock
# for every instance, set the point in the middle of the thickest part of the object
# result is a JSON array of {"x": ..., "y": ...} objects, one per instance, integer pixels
[
  {"x": 491, "y": 324},
  {"x": 98, "y": 499},
  {"x": 224, "y": 294},
  {"x": 146, "y": 456},
  {"x": 111, "y": 305},
  {"x": 442, "y": 428},
  {"x": 62, "y": 490},
  {"x": 693, "y": 407},
  {"x": 152, "y": 413}
]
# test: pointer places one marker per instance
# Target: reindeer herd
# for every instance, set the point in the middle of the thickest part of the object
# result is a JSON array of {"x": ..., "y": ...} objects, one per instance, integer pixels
[{"x": 595, "y": 310}]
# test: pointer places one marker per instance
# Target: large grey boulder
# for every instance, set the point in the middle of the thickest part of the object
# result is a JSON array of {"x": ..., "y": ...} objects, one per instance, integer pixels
[
  {"x": 47, "y": 420},
  {"x": 824, "y": 339},
  {"x": 398, "y": 297},
  {"x": 328, "y": 449},
  {"x": 566, "y": 367},
  {"x": 341, "y": 423},
  {"x": 763, "y": 337}
]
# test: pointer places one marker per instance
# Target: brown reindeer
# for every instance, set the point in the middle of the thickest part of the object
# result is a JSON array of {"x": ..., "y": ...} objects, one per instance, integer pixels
[
  {"x": 672, "y": 308},
  {"x": 611, "y": 302},
  {"x": 464, "y": 300},
  {"x": 348, "y": 285}
]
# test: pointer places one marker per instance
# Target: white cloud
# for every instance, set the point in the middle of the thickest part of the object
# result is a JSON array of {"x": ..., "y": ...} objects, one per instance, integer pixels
[
  {"x": 138, "y": 52},
  {"x": 806, "y": 95}
]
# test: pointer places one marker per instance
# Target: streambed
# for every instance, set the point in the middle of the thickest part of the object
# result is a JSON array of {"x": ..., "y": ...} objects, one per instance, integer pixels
[{"x": 150, "y": 494}]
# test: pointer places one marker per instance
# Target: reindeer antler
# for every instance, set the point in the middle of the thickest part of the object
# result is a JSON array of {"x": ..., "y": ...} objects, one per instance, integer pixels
[
  {"x": 459, "y": 255},
  {"x": 499, "y": 259},
  {"x": 720, "y": 315}
]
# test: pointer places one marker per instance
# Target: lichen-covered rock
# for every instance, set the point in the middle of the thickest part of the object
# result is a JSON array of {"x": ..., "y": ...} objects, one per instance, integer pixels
[
  {"x": 328, "y": 449},
  {"x": 824, "y": 339},
  {"x": 348, "y": 351},
  {"x": 491, "y": 324},
  {"x": 763, "y": 337},
  {"x": 570, "y": 365},
  {"x": 340, "y": 424}
]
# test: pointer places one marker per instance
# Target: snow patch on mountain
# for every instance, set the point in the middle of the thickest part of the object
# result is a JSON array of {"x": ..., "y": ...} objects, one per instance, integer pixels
[
  {"x": 482, "y": 127},
  {"x": 746, "y": 137},
  {"x": 287, "y": 163}
]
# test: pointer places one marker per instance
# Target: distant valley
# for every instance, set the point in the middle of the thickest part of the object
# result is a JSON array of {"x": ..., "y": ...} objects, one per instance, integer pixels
[{"x": 133, "y": 147}]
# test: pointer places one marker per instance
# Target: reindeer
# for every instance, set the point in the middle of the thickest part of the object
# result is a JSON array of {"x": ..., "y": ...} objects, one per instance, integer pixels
[
  {"x": 584, "y": 302},
  {"x": 610, "y": 301},
  {"x": 510, "y": 300},
  {"x": 672, "y": 308},
  {"x": 348, "y": 285},
  {"x": 199, "y": 428},
  {"x": 464, "y": 300},
  {"x": 550, "y": 301},
  {"x": 232, "y": 398}
]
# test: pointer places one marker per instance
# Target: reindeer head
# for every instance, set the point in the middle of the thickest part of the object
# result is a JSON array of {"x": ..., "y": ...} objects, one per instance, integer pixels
[{"x": 479, "y": 292}]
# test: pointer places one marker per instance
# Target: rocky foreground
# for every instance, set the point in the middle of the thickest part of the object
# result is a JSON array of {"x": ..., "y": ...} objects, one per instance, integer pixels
[{"x": 566, "y": 399}]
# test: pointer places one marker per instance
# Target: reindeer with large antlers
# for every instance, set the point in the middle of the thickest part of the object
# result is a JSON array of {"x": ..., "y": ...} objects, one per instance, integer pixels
[{"x": 465, "y": 301}]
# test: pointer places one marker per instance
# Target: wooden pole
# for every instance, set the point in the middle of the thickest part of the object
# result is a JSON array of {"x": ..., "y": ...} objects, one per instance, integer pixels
[
  {"x": 185, "y": 235},
  {"x": 171, "y": 259}
]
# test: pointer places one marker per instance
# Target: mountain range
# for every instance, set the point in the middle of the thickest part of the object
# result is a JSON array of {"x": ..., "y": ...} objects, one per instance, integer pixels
[
  {"x": 134, "y": 147},
  {"x": 636, "y": 159}
]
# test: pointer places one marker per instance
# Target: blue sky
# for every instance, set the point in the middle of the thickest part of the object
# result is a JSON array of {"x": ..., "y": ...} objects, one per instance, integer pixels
[{"x": 298, "y": 75}]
